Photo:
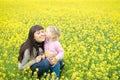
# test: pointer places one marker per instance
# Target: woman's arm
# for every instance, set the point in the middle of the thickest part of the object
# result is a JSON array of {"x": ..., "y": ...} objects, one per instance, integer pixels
[{"x": 26, "y": 60}]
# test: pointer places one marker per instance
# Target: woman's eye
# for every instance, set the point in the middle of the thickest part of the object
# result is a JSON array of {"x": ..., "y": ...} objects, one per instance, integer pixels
[{"x": 42, "y": 31}]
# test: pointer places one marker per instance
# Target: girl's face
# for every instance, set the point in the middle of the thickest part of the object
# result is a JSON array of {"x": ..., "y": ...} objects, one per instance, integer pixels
[
  {"x": 39, "y": 36},
  {"x": 49, "y": 34}
]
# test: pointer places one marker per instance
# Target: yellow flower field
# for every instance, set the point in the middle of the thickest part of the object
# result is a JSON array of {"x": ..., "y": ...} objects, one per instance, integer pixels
[{"x": 90, "y": 36}]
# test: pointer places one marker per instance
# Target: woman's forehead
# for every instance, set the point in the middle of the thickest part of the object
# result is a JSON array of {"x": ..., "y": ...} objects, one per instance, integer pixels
[{"x": 39, "y": 30}]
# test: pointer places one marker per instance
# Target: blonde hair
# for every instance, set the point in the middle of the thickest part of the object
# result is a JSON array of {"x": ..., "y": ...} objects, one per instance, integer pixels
[{"x": 55, "y": 31}]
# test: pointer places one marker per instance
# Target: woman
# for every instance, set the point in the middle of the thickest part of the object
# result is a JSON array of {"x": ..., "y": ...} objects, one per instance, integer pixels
[{"x": 32, "y": 49}]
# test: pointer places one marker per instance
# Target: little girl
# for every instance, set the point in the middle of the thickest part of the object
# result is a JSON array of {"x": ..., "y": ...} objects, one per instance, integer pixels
[{"x": 53, "y": 49}]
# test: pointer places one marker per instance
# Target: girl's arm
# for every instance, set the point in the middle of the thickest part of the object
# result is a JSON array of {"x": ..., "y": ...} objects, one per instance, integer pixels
[
  {"x": 60, "y": 51},
  {"x": 60, "y": 54},
  {"x": 26, "y": 60}
]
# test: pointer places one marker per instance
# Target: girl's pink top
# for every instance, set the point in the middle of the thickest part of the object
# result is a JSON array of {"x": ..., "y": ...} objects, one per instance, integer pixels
[{"x": 54, "y": 48}]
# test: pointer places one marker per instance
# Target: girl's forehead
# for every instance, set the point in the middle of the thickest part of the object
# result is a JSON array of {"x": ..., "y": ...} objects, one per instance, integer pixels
[
  {"x": 47, "y": 28},
  {"x": 50, "y": 29}
]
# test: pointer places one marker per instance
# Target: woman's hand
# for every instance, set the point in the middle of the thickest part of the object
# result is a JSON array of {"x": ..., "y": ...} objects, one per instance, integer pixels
[
  {"x": 53, "y": 60},
  {"x": 38, "y": 58}
]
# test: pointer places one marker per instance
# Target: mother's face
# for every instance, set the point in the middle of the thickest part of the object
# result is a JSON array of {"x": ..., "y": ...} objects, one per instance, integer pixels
[{"x": 39, "y": 35}]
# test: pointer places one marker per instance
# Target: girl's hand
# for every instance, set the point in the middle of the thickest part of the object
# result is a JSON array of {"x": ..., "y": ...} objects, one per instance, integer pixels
[
  {"x": 38, "y": 58},
  {"x": 43, "y": 56},
  {"x": 53, "y": 60}
]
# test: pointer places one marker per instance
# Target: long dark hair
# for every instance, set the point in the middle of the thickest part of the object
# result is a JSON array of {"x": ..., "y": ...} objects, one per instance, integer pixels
[{"x": 29, "y": 43}]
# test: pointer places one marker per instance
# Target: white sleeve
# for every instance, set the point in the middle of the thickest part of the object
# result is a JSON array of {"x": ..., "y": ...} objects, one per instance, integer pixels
[{"x": 26, "y": 60}]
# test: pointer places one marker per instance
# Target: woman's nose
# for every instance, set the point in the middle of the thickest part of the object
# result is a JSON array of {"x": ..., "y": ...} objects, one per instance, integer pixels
[{"x": 43, "y": 34}]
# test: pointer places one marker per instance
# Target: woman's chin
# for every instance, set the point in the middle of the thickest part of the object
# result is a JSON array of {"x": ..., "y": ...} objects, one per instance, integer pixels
[{"x": 42, "y": 40}]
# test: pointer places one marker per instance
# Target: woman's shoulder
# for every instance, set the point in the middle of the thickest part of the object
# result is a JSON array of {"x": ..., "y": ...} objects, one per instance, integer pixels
[{"x": 27, "y": 52}]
